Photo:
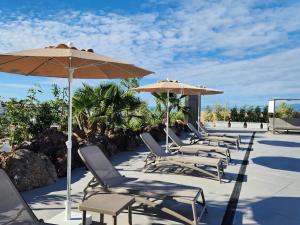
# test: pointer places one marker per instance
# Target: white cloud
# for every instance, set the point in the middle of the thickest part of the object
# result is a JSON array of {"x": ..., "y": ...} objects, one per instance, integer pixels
[{"x": 236, "y": 42}]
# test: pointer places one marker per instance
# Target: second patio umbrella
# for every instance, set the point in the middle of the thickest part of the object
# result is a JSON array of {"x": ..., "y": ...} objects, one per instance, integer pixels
[
  {"x": 66, "y": 61},
  {"x": 170, "y": 86}
]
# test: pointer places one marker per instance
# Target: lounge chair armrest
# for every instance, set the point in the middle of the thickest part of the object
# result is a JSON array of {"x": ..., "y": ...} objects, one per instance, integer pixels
[{"x": 175, "y": 150}]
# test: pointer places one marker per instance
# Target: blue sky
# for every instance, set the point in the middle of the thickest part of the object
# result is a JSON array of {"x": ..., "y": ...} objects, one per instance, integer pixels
[{"x": 249, "y": 49}]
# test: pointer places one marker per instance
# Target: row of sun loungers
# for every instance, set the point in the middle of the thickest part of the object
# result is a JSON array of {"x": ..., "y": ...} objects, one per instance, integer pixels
[
  {"x": 235, "y": 140},
  {"x": 106, "y": 179},
  {"x": 159, "y": 158},
  {"x": 197, "y": 149}
]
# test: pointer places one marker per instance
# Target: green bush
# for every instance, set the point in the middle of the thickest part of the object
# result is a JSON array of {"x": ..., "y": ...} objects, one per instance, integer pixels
[
  {"x": 234, "y": 114},
  {"x": 222, "y": 113},
  {"x": 242, "y": 114},
  {"x": 176, "y": 116},
  {"x": 27, "y": 118},
  {"x": 209, "y": 115},
  {"x": 284, "y": 111}
]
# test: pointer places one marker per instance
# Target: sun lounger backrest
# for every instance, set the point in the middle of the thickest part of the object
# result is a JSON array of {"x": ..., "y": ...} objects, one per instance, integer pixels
[
  {"x": 13, "y": 208},
  {"x": 194, "y": 130},
  {"x": 152, "y": 145},
  {"x": 202, "y": 127},
  {"x": 174, "y": 137},
  {"x": 100, "y": 166}
]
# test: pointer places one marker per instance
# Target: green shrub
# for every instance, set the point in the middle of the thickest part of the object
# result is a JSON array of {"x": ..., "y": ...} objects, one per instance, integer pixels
[
  {"x": 284, "y": 111},
  {"x": 25, "y": 119},
  {"x": 222, "y": 113},
  {"x": 234, "y": 115},
  {"x": 209, "y": 115}
]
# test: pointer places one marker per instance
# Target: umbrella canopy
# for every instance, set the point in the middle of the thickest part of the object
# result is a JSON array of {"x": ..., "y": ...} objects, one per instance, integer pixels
[
  {"x": 172, "y": 86},
  {"x": 65, "y": 61},
  {"x": 209, "y": 91},
  {"x": 56, "y": 62}
]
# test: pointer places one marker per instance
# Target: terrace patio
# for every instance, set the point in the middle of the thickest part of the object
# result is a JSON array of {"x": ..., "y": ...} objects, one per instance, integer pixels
[{"x": 269, "y": 193}]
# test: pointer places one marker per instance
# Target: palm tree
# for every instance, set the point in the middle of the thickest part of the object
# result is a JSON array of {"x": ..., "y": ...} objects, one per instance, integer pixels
[
  {"x": 129, "y": 83},
  {"x": 83, "y": 103},
  {"x": 106, "y": 103},
  {"x": 175, "y": 102}
]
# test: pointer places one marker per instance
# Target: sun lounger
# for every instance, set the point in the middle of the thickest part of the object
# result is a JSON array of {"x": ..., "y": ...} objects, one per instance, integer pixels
[
  {"x": 199, "y": 137},
  {"x": 13, "y": 209},
  {"x": 159, "y": 158},
  {"x": 208, "y": 133},
  {"x": 147, "y": 192},
  {"x": 196, "y": 149}
]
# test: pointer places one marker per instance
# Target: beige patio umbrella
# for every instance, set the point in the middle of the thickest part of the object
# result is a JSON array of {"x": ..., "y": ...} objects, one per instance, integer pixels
[
  {"x": 171, "y": 86},
  {"x": 66, "y": 61},
  {"x": 206, "y": 91}
]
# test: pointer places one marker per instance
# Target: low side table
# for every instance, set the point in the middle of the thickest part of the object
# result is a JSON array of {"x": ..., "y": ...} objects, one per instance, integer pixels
[{"x": 111, "y": 204}]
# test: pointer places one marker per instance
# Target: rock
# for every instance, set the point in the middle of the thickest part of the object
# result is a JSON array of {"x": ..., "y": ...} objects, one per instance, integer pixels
[
  {"x": 116, "y": 137},
  {"x": 179, "y": 127},
  {"x": 103, "y": 143},
  {"x": 52, "y": 143},
  {"x": 112, "y": 149},
  {"x": 114, "y": 140},
  {"x": 27, "y": 169},
  {"x": 157, "y": 131},
  {"x": 132, "y": 141}
]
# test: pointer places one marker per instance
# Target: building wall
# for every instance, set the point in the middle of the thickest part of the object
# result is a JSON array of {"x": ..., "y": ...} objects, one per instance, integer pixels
[{"x": 192, "y": 101}]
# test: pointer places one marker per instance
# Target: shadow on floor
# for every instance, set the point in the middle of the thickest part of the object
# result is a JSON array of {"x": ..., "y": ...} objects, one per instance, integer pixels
[
  {"x": 279, "y": 163},
  {"x": 235, "y": 131},
  {"x": 42, "y": 195},
  {"x": 273, "y": 211},
  {"x": 280, "y": 143}
]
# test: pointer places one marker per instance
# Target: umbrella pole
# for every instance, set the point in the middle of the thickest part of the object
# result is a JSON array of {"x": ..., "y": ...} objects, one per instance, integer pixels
[
  {"x": 167, "y": 124},
  {"x": 69, "y": 146}
]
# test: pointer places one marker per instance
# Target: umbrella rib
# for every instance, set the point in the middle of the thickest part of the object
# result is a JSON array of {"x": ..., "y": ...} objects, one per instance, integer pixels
[
  {"x": 84, "y": 65},
  {"x": 13, "y": 60},
  {"x": 91, "y": 65},
  {"x": 107, "y": 76},
  {"x": 94, "y": 65},
  {"x": 58, "y": 63},
  {"x": 39, "y": 66},
  {"x": 122, "y": 68}
]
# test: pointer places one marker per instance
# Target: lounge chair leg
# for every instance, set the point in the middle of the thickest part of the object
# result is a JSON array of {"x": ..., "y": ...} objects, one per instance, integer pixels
[
  {"x": 204, "y": 202},
  {"x": 83, "y": 217},
  {"x": 101, "y": 218},
  {"x": 129, "y": 215},
  {"x": 227, "y": 160},
  {"x": 218, "y": 169},
  {"x": 195, "y": 217}
]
